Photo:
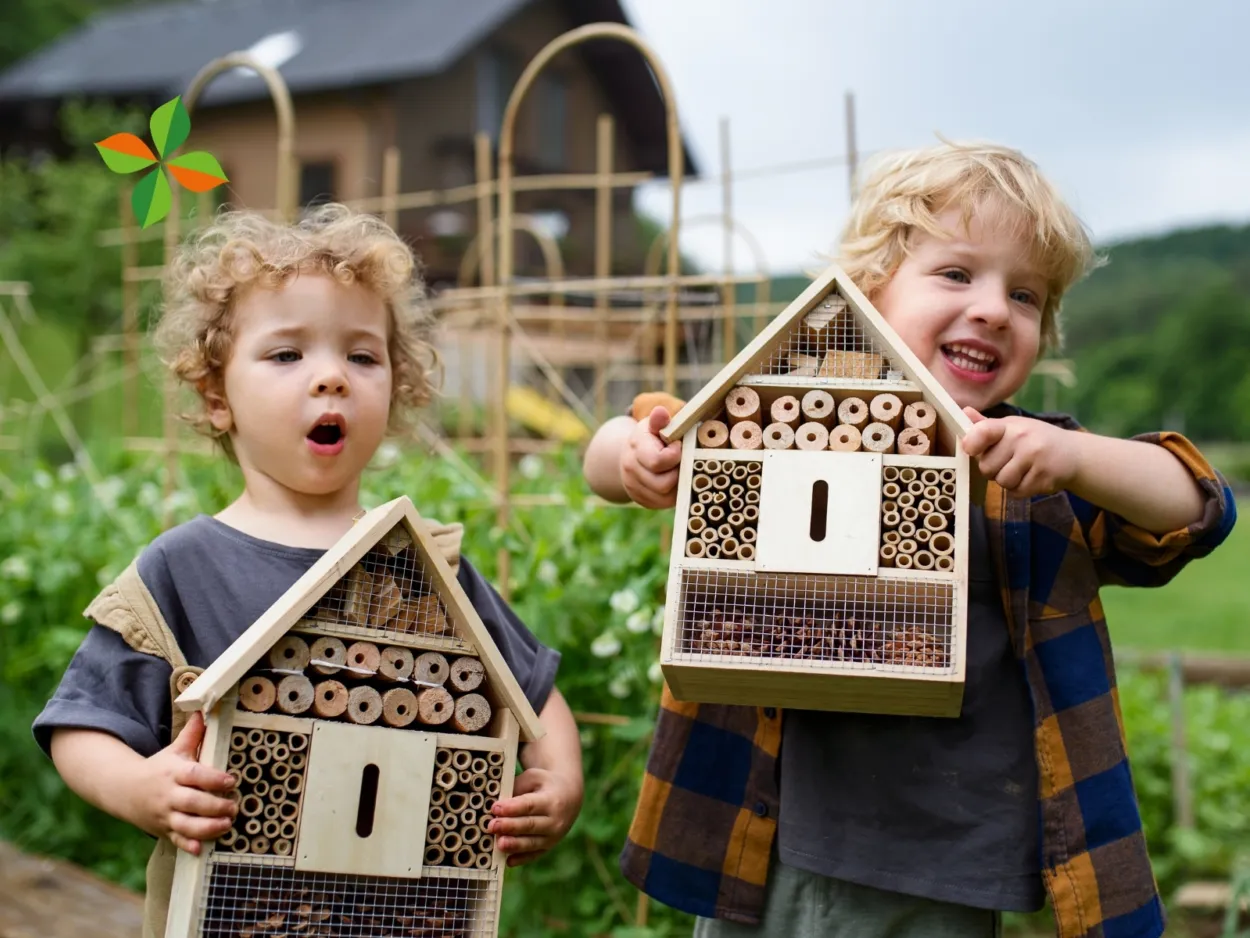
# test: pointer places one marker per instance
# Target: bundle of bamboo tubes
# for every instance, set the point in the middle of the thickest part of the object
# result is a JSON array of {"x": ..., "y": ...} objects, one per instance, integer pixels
[
  {"x": 466, "y": 787},
  {"x": 268, "y": 770},
  {"x": 918, "y": 518},
  {"x": 814, "y": 420},
  {"x": 365, "y": 683},
  {"x": 834, "y": 637},
  {"x": 724, "y": 510}
]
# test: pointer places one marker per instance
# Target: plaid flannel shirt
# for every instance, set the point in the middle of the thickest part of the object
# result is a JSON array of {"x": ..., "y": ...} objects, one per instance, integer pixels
[{"x": 703, "y": 830}]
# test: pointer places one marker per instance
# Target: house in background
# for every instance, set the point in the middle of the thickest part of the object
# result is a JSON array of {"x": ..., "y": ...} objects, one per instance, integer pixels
[{"x": 422, "y": 75}]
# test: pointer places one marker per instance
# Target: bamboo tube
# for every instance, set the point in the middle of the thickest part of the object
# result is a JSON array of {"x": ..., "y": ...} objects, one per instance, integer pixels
[
  {"x": 494, "y": 758},
  {"x": 437, "y": 797},
  {"x": 712, "y": 467},
  {"x": 472, "y": 713},
  {"x": 694, "y": 547},
  {"x": 853, "y": 412},
  {"x": 471, "y": 835},
  {"x": 260, "y": 789},
  {"x": 229, "y": 837},
  {"x": 434, "y": 834},
  {"x": 297, "y": 742},
  {"x": 785, "y": 411},
  {"x": 238, "y": 741},
  {"x": 907, "y": 546},
  {"x": 778, "y": 436},
  {"x": 910, "y": 513},
  {"x": 715, "y": 515},
  {"x": 709, "y": 536},
  {"x": 329, "y": 699},
  {"x": 924, "y": 560},
  {"x": 740, "y": 472},
  {"x": 752, "y": 497},
  {"x": 434, "y": 706},
  {"x": 364, "y": 705},
  {"x": 944, "y": 563},
  {"x": 281, "y": 752},
  {"x": 451, "y": 841},
  {"x": 468, "y": 818},
  {"x": 888, "y": 551},
  {"x": 701, "y": 482},
  {"x": 261, "y": 755},
  {"x": 478, "y": 783},
  {"x": 297, "y": 761},
  {"x": 906, "y": 529},
  {"x": 903, "y": 561},
  {"x": 913, "y": 442},
  {"x": 878, "y": 438},
  {"x": 279, "y": 771},
  {"x": 476, "y": 800},
  {"x": 931, "y": 492},
  {"x": 746, "y": 435},
  {"x": 442, "y": 757},
  {"x": 751, "y": 514},
  {"x": 430, "y": 668},
  {"x": 287, "y": 830},
  {"x": 719, "y": 498},
  {"x": 697, "y": 509},
  {"x": 330, "y": 650},
  {"x": 713, "y": 550},
  {"x": 295, "y": 694},
  {"x": 906, "y": 475},
  {"x": 289, "y": 653},
  {"x": 272, "y": 739},
  {"x": 890, "y": 491},
  {"x": 889, "y": 473},
  {"x": 713, "y": 434},
  {"x": 271, "y": 812},
  {"x": 363, "y": 656},
  {"x": 736, "y": 505},
  {"x": 890, "y": 519},
  {"x": 436, "y": 814},
  {"x": 948, "y": 489},
  {"x": 735, "y": 520},
  {"x": 812, "y": 437},
  {"x": 270, "y": 829},
  {"x": 399, "y": 706},
  {"x": 930, "y": 477},
  {"x": 906, "y": 500},
  {"x": 696, "y": 524},
  {"x": 922, "y": 536},
  {"x": 742, "y": 404},
  {"x": 461, "y": 759},
  {"x": 845, "y": 439},
  {"x": 289, "y": 810},
  {"x": 434, "y": 855},
  {"x": 729, "y": 548},
  {"x": 747, "y": 535},
  {"x": 252, "y": 773},
  {"x": 282, "y": 847},
  {"x": 891, "y": 537},
  {"x": 736, "y": 490},
  {"x": 478, "y": 767},
  {"x": 237, "y": 759},
  {"x": 467, "y": 674},
  {"x": 925, "y": 506},
  {"x": 465, "y": 857},
  {"x": 754, "y": 480},
  {"x": 944, "y": 504},
  {"x": 720, "y": 482},
  {"x": 818, "y": 407},
  {"x": 725, "y": 530},
  {"x": 487, "y": 842},
  {"x": 746, "y": 552},
  {"x": 251, "y": 826},
  {"x": 396, "y": 664},
  {"x": 257, "y": 694},
  {"x": 941, "y": 543},
  {"x": 887, "y": 506},
  {"x": 294, "y": 784},
  {"x": 241, "y": 844},
  {"x": 445, "y": 778},
  {"x": 886, "y": 409},
  {"x": 251, "y": 805}
]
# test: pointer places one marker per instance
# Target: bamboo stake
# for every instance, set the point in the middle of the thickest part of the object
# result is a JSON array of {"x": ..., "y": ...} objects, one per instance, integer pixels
[{"x": 604, "y": 146}]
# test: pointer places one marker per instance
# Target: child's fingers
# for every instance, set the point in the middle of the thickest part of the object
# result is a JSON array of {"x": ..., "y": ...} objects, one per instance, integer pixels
[
  {"x": 201, "y": 804},
  {"x": 520, "y": 859},
  {"x": 197, "y": 828},
  {"x": 515, "y": 845},
  {"x": 188, "y": 844},
  {"x": 658, "y": 420},
  {"x": 983, "y": 436},
  {"x": 655, "y": 456},
  {"x": 522, "y": 806},
  {"x": 197, "y": 775}
]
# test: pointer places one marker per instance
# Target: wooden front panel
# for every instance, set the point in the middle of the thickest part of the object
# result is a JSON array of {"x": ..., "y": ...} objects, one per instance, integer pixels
[
  {"x": 390, "y": 772},
  {"x": 819, "y": 513}
]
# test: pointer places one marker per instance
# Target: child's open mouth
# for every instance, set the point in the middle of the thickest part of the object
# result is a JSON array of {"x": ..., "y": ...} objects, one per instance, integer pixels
[
  {"x": 974, "y": 361},
  {"x": 327, "y": 435}
]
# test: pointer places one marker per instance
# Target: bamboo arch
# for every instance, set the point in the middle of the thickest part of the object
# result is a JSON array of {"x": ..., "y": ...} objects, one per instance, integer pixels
[{"x": 552, "y": 260}]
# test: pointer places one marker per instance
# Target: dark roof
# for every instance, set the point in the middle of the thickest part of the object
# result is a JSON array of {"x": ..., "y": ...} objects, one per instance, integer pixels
[{"x": 155, "y": 49}]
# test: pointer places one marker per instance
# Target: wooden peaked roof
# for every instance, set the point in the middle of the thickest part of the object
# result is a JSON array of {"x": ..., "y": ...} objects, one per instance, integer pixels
[
  {"x": 759, "y": 349},
  {"x": 304, "y": 593}
]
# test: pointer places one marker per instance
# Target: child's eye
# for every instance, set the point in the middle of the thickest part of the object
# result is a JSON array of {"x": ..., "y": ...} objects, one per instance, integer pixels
[
  {"x": 958, "y": 276},
  {"x": 1026, "y": 297},
  {"x": 362, "y": 358},
  {"x": 285, "y": 356}
]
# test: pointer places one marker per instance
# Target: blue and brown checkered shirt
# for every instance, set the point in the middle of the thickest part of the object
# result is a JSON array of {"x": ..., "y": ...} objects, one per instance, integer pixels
[{"x": 702, "y": 834}]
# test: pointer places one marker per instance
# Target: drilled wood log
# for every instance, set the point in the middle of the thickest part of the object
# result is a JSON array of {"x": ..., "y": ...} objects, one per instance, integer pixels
[
  {"x": 295, "y": 694},
  {"x": 713, "y": 434},
  {"x": 329, "y": 699},
  {"x": 818, "y": 407},
  {"x": 778, "y": 436},
  {"x": 435, "y": 706},
  {"x": 327, "y": 655},
  {"x": 430, "y": 668},
  {"x": 913, "y": 442},
  {"x": 886, "y": 409},
  {"x": 878, "y": 438},
  {"x": 363, "y": 658},
  {"x": 742, "y": 404},
  {"x": 921, "y": 416},
  {"x": 399, "y": 706},
  {"x": 746, "y": 435},
  {"x": 853, "y": 412},
  {"x": 289, "y": 653},
  {"x": 472, "y": 713},
  {"x": 364, "y": 705},
  {"x": 467, "y": 674},
  {"x": 395, "y": 664},
  {"x": 785, "y": 411},
  {"x": 257, "y": 694},
  {"x": 811, "y": 437}
]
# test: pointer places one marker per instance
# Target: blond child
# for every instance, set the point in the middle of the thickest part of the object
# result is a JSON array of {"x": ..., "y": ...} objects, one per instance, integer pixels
[
  {"x": 832, "y": 824},
  {"x": 304, "y": 344}
]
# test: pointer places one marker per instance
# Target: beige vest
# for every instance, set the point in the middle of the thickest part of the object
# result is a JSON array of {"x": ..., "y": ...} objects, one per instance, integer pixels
[{"x": 128, "y": 608}]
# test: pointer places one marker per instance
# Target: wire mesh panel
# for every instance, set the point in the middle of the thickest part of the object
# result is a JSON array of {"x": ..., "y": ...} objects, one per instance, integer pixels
[
  {"x": 841, "y": 621},
  {"x": 268, "y": 767},
  {"x": 918, "y": 518},
  {"x": 245, "y": 900},
  {"x": 829, "y": 342},
  {"x": 466, "y": 787}
]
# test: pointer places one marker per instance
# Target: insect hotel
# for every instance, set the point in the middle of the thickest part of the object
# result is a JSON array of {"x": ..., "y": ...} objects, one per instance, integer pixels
[
  {"x": 370, "y": 724},
  {"x": 820, "y": 543}
]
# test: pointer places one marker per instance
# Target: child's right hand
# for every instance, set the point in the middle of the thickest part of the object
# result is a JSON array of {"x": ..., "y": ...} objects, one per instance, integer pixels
[
  {"x": 173, "y": 797},
  {"x": 649, "y": 466}
]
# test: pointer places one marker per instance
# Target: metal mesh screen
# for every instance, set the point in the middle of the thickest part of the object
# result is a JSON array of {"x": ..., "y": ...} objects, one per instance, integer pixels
[
  {"x": 268, "y": 768},
  {"x": 466, "y": 787},
  {"x": 246, "y": 900},
  {"x": 724, "y": 510},
  {"x": 918, "y": 518},
  {"x": 858, "y": 622},
  {"x": 327, "y": 678},
  {"x": 830, "y": 343}
]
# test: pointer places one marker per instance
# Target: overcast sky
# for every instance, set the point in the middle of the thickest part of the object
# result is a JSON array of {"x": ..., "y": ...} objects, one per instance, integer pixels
[{"x": 1139, "y": 110}]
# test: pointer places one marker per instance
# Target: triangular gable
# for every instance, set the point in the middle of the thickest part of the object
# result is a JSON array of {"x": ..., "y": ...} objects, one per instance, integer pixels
[
  {"x": 374, "y": 529},
  {"x": 870, "y": 338}
]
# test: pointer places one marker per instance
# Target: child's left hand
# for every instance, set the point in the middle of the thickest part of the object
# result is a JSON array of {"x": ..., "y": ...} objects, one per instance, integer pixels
[
  {"x": 543, "y": 806},
  {"x": 1025, "y": 456}
]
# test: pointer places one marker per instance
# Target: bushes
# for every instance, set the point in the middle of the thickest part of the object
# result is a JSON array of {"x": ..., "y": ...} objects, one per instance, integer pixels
[{"x": 588, "y": 581}]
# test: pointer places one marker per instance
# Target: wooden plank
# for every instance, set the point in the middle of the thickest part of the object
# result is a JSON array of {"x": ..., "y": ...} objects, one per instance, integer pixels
[
  {"x": 272, "y": 721},
  {"x": 677, "y": 552},
  {"x": 959, "y": 616},
  {"x": 471, "y": 743},
  {"x": 340, "y": 758},
  {"x": 727, "y": 455},
  {"x": 702, "y": 563},
  {"x": 920, "y": 462},
  {"x": 848, "y": 534},
  {"x": 43, "y": 897},
  {"x": 354, "y": 633},
  {"x": 507, "y": 728}
]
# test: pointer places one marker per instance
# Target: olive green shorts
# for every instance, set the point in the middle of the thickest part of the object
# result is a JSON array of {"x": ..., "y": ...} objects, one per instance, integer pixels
[{"x": 799, "y": 904}]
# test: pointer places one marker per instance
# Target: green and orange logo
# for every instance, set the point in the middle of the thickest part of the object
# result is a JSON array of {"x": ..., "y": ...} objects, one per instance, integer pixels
[{"x": 198, "y": 171}]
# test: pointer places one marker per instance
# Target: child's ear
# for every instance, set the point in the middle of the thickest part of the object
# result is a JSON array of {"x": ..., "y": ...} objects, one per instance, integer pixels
[{"x": 214, "y": 395}]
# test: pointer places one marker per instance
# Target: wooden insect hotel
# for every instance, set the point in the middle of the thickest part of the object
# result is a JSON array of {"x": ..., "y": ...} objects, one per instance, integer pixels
[
  {"x": 821, "y": 536},
  {"x": 370, "y": 723}
]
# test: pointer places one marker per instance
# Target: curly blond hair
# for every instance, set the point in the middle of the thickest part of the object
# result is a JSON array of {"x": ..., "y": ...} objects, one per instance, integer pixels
[
  {"x": 905, "y": 191},
  {"x": 241, "y": 249}
]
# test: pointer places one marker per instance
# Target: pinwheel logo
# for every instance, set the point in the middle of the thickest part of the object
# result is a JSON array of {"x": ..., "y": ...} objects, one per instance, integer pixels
[{"x": 198, "y": 171}]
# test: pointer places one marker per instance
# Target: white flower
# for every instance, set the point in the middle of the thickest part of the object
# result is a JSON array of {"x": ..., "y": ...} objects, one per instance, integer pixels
[
  {"x": 10, "y": 612},
  {"x": 547, "y": 573},
  {"x": 530, "y": 466},
  {"x": 62, "y": 504},
  {"x": 149, "y": 495},
  {"x": 15, "y": 568},
  {"x": 388, "y": 453},
  {"x": 179, "y": 499},
  {"x": 619, "y": 688},
  {"x": 109, "y": 491},
  {"x": 638, "y": 622},
  {"x": 625, "y": 601},
  {"x": 606, "y": 645},
  {"x": 68, "y": 472},
  {"x": 655, "y": 672},
  {"x": 657, "y": 621},
  {"x": 41, "y": 478}
]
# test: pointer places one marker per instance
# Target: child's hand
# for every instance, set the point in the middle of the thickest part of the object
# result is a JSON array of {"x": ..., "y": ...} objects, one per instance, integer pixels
[
  {"x": 649, "y": 466},
  {"x": 543, "y": 806},
  {"x": 173, "y": 799},
  {"x": 1025, "y": 456}
]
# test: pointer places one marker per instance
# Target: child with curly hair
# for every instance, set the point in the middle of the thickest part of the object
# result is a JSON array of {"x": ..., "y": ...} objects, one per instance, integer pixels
[{"x": 304, "y": 344}]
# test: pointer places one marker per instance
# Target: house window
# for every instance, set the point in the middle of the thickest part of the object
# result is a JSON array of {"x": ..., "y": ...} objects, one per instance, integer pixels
[
  {"x": 497, "y": 74},
  {"x": 316, "y": 183},
  {"x": 553, "y": 106}
]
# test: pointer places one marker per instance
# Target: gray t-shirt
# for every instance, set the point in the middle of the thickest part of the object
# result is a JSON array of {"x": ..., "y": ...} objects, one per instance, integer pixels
[
  {"x": 211, "y": 582},
  {"x": 944, "y": 808}
]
